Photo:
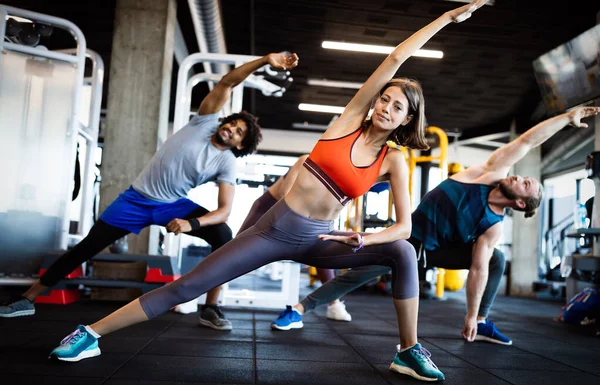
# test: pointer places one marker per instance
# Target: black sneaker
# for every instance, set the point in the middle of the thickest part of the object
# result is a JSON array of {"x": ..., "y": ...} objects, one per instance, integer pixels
[
  {"x": 17, "y": 308},
  {"x": 212, "y": 317}
]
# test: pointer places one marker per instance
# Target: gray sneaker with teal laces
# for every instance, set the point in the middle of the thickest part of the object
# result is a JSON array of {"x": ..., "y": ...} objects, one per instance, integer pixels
[{"x": 17, "y": 308}]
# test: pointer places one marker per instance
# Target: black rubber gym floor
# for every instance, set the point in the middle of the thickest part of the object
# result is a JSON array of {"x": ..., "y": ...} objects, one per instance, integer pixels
[{"x": 172, "y": 349}]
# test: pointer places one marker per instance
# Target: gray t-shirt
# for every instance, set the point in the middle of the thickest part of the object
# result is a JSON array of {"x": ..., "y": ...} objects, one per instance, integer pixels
[{"x": 188, "y": 159}]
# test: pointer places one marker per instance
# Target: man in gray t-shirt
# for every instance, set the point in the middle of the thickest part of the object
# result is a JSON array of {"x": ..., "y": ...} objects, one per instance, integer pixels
[{"x": 202, "y": 151}]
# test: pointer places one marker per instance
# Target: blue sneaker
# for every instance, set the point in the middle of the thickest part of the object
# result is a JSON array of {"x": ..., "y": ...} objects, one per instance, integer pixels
[
  {"x": 487, "y": 332},
  {"x": 76, "y": 346},
  {"x": 416, "y": 362},
  {"x": 288, "y": 319}
]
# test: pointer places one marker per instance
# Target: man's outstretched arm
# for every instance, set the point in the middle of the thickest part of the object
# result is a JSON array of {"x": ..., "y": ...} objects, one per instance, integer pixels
[
  {"x": 506, "y": 156},
  {"x": 219, "y": 95}
]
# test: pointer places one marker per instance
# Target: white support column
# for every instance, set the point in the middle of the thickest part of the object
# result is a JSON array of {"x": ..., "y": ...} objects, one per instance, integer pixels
[{"x": 526, "y": 235}]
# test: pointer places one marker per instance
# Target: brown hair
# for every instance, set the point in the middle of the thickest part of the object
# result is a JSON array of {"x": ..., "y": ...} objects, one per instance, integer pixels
[
  {"x": 413, "y": 134},
  {"x": 532, "y": 203}
]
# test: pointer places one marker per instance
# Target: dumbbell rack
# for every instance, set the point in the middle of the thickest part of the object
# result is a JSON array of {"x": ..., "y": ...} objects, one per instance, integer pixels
[{"x": 585, "y": 269}]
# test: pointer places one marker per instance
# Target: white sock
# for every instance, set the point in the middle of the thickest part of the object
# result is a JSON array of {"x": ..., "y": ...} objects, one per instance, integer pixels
[
  {"x": 399, "y": 348},
  {"x": 481, "y": 321},
  {"x": 92, "y": 332}
]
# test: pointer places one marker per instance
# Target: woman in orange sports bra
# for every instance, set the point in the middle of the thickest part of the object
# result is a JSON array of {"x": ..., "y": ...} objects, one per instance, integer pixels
[{"x": 349, "y": 158}]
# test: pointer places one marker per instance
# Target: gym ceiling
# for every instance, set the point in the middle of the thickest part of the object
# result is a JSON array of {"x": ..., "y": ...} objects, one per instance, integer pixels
[{"x": 484, "y": 81}]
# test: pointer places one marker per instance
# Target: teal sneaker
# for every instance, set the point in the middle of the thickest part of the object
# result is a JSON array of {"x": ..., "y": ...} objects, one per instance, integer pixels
[
  {"x": 416, "y": 362},
  {"x": 76, "y": 346}
]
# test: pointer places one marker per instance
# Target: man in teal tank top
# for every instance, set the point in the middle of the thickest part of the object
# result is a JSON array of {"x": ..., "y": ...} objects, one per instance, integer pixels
[{"x": 458, "y": 223}]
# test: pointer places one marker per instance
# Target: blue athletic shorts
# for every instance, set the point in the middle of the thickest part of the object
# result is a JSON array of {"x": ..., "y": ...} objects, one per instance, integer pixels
[{"x": 132, "y": 211}]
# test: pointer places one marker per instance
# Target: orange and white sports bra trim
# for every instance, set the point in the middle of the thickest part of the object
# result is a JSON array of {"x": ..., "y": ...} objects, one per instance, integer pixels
[{"x": 331, "y": 162}]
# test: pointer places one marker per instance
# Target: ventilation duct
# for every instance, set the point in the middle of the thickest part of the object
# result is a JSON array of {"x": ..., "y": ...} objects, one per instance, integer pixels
[{"x": 206, "y": 16}]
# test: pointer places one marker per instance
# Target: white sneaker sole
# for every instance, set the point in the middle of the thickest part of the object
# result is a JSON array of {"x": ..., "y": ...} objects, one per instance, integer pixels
[
  {"x": 488, "y": 339},
  {"x": 293, "y": 325},
  {"x": 410, "y": 372},
  {"x": 209, "y": 324},
  {"x": 82, "y": 356},
  {"x": 348, "y": 319},
  {"x": 19, "y": 313}
]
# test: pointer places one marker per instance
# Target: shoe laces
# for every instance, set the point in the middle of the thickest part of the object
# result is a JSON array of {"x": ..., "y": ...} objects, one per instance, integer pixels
[
  {"x": 72, "y": 338},
  {"x": 283, "y": 314},
  {"x": 425, "y": 355},
  {"x": 219, "y": 312}
]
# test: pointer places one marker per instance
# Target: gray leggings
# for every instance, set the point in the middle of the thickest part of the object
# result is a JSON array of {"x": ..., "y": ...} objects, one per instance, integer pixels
[
  {"x": 282, "y": 234},
  {"x": 258, "y": 209},
  {"x": 452, "y": 257}
]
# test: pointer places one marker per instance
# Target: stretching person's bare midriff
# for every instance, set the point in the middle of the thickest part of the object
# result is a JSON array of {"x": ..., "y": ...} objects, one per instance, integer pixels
[{"x": 310, "y": 198}]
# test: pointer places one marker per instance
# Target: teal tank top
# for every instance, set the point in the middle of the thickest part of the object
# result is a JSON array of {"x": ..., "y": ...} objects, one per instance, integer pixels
[{"x": 453, "y": 212}]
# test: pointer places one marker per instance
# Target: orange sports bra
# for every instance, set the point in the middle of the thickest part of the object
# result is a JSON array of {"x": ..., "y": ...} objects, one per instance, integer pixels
[{"x": 330, "y": 161}]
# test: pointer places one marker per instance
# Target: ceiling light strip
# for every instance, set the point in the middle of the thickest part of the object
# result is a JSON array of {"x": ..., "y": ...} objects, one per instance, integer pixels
[
  {"x": 377, "y": 49},
  {"x": 334, "y": 83},
  {"x": 320, "y": 108}
]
